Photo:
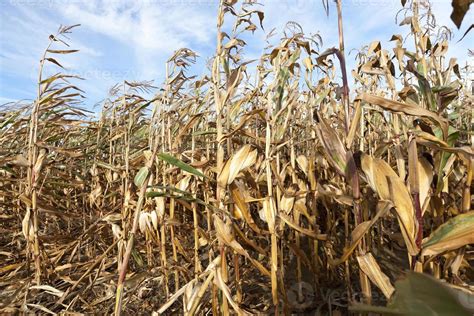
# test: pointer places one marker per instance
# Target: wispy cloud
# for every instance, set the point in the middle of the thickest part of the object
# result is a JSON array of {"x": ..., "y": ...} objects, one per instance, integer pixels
[
  {"x": 118, "y": 39},
  {"x": 150, "y": 29}
]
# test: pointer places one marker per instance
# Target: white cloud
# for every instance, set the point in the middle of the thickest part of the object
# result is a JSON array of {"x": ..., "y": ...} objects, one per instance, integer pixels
[
  {"x": 118, "y": 39},
  {"x": 151, "y": 29}
]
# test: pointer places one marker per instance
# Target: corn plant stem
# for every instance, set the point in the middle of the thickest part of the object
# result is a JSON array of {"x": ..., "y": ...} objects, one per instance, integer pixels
[
  {"x": 296, "y": 218},
  {"x": 355, "y": 184},
  {"x": 219, "y": 107},
  {"x": 284, "y": 296},
  {"x": 164, "y": 260},
  {"x": 466, "y": 197},
  {"x": 173, "y": 242},
  {"x": 197, "y": 269},
  {"x": 128, "y": 250},
  {"x": 32, "y": 177},
  {"x": 274, "y": 241},
  {"x": 415, "y": 186},
  {"x": 342, "y": 59},
  {"x": 347, "y": 122},
  {"x": 125, "y": 208},
  {"x": 419, "y": 50},
  {"x": 238, "y": 280},
  {"x": 200, "y": 294}
]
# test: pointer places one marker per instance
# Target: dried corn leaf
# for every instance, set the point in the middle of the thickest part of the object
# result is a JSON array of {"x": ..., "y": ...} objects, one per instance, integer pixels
[
  {"x": 406, "y": 108},
  {"x": 42, "y": 308},
  {"x": 388, "y": 185},
  {"x": 425, "y": 174},
  {"x": 406, "y": 213},
  {"x": 303, "y": 163},
  {"x": 27, "y": 226},
  {"x": 241, "y": 206},
  {"x": 226, "y": 236},
  {"x": 194, "y": 303},
  {"x": 242, "y": 159},
  {"x": 183, "y": 184},
  {"x": 269, "y": 213},
  {"x": 300, "y": 229},
  {"x": 223, "y": 287},
  {"x": 432, "y": 141},
  {"x": 47, "y": 289},
  {"x": 360, "y": 230},
  {"x": 333, "y": 148},
  {"x": 371, "y": 268},
  {"x": 286, "y": 203},
  {"x": 175, "y": 296}
]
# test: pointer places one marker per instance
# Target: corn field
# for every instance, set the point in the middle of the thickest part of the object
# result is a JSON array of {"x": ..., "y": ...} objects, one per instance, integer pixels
[{"x": 286, "y": 185}]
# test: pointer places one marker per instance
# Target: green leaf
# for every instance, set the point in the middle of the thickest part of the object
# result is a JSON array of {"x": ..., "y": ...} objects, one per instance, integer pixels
[
  {"x": 453, "y": 234},
  {"x": 201, "y": 133},
  {"x": 175, "y": 193},
  {"x": 154, "y": 194},
  {"x": 9, "y": 120},
  {"x": 138, "y": 259},
  {"x": 420, "y": 294},
  {"x": 141, "y": 176},
  {"x": 181, "y": 165},
  {"x": 380, "y": 310},
  {"x": 452, "y": 138}
]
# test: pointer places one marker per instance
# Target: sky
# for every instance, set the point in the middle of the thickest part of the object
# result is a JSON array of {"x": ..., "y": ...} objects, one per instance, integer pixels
[{"x": 132, "y": 39}]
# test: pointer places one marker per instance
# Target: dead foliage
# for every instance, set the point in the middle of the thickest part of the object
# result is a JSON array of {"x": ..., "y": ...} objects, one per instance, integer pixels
[{"x": 265, "y": 186}]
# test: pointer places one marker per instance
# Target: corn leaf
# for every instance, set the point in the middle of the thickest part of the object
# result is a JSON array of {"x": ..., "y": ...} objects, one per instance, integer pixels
[
  {"x": 180, "y": 164},
  {"x": 455, "y": 233}
]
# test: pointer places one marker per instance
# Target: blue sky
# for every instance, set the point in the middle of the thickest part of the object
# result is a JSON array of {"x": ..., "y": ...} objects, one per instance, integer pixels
[{"x": 132, "y": 39}]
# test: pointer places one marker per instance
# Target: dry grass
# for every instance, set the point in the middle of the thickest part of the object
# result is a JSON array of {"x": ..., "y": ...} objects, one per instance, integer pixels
[{"x": 250, "y": 190}]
